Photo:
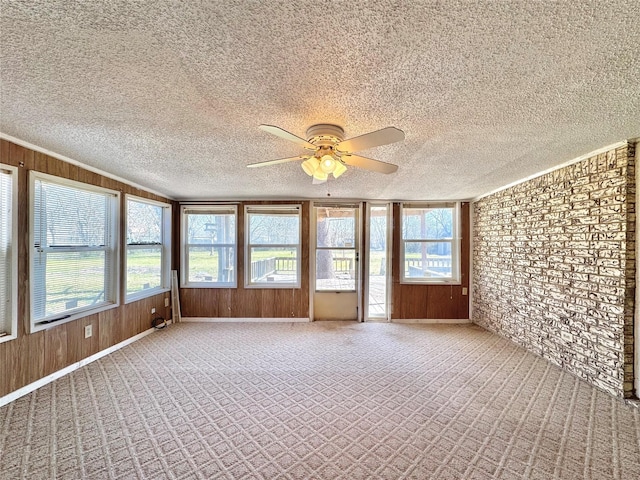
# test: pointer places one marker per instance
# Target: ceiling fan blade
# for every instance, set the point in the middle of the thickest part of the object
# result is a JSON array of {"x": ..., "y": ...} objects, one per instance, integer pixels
[
  {"x": 369, "y": 164},
  {"x": 275, "y": 162},
  {"x": 370, "y": 140},
  {"x": 278, "y": 132}
]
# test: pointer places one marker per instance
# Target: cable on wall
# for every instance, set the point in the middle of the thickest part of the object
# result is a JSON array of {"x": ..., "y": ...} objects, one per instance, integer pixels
[{"x": 158, "y": 322}]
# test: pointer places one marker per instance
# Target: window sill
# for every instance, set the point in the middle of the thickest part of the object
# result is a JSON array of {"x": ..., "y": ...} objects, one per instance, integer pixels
[
  {"x": 85, "y": 313},
  {"x": 208, "y": 285},
  {"x": 430, "y": 282},
  {"x": 271, "y": 286},
  {"x": 145, "y": 294},
  {"x": 6, "y": 338}
]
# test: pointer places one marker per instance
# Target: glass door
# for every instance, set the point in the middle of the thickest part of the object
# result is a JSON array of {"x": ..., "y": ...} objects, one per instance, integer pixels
[
  {"x": 336, "y": 271},
  {"x": 378, "y": 268}
]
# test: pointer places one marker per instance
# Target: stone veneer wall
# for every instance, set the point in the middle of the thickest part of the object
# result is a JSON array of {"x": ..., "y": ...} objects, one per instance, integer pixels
[{"x": 554, "y": 267}]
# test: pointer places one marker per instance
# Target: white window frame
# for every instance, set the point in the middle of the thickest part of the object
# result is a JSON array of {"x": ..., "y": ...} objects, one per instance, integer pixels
[
  {"x": 165, "y": 248},
  {"x": 286, "y": 208},
  {"x": 454, "y": 279},
  {"x": 113, "y": 247},
  {"x": 12, "y": 332},
  {"x": 184, "y": 247}
]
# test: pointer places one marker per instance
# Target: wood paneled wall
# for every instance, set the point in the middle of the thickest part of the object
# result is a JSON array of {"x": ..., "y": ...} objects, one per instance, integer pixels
[
  {"x": 243, "y": 302},
  {"x": 412, "y": 301},
  {"x": 34, "y": 356}
]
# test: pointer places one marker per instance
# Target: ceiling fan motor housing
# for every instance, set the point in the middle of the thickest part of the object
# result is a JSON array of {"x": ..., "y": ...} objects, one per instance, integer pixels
[{"x": 325, "y": 134}]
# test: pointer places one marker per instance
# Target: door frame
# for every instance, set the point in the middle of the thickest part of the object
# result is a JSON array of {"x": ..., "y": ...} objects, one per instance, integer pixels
[
  {"x": 366, "y": 257},
  {"x": 358, "y": 205}
]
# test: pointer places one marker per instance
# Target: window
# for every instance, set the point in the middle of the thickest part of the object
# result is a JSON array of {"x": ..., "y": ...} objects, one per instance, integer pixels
[
  {"x": 74, "y": 256},
  {"x": 148, "y": 244},
  {"x": 430, "y": 243},
  {"x": 8, "y": 257},
  {"x": 273, "y": 246},
  {"x": 209, "y": 246},
  {"x": 336, "y": 247}
]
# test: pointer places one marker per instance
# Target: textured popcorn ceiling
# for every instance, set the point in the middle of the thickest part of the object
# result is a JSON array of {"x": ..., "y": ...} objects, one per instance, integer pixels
[{"x": 169, "y": 95}]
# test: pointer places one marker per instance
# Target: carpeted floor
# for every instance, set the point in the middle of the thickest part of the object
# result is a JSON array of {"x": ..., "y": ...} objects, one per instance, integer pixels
[{"x": 320, "y": 401}]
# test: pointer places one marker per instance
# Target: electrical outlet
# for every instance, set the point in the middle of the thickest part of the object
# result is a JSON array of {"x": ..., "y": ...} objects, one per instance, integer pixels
[
  {"x": 464, "y": 290},
  {"x": 88, "y": 331},
  {"x": 166, "y": 302},
  {"x": 153, "y": 310}
]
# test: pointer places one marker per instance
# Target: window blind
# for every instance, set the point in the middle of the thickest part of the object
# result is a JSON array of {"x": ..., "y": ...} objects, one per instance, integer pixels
[
  {"x": 210, "y": 210},
  {"x": 273, "y": 224}
]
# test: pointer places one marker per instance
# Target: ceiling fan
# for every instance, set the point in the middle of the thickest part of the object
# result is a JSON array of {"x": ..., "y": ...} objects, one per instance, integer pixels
[{"x": 331, "y": 152}]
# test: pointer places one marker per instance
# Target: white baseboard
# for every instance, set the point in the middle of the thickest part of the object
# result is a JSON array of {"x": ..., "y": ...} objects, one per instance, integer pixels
[
  {"x": 244, "y": 320},
  {"x": 453, "y": 321},
  {"x": 66, "y": 370}
]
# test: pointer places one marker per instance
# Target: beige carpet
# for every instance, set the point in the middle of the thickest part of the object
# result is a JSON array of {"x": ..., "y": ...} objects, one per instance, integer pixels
[{"x": 319, "y": 401}]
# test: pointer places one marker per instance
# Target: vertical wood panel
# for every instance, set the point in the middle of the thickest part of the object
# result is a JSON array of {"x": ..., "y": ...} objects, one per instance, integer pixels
[
  {"x": 301, "y": 307},
  {"x": 34, "y": 344},
  {"x": 442, "y": 301},
  {"x": 283, "y": 300},
  {"x": 175, "y": 237},
  {"x": 465, "y": 244},
  {"x": 4, "y": 151},
  {"x": 250, "y": 306},
  {"x": 75, "y": 340},
  {"x": 133, "y": 322},
  {"x": 23, "y": 236},
  {"x": 55, "y": 349},
  {"x": 268, "y": 303},
  {"x": 240, "y": 248},
  {"x": 33, "y": 356}
]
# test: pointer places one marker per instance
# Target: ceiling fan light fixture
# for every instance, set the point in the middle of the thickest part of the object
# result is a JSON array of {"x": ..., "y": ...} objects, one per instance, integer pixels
[
  {"x": 339, "y": 170},
  {"x": 320, "y": 175},
  {"x": 332, "y": 154},
  {"x": 310, "y": 166},
  {"x": 327, "y": 164}
]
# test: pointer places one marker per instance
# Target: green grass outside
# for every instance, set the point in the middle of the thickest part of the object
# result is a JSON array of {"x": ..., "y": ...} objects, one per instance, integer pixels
[
  {"x": 80, "y": 282},
  {"x": 84, "y": 283}
]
